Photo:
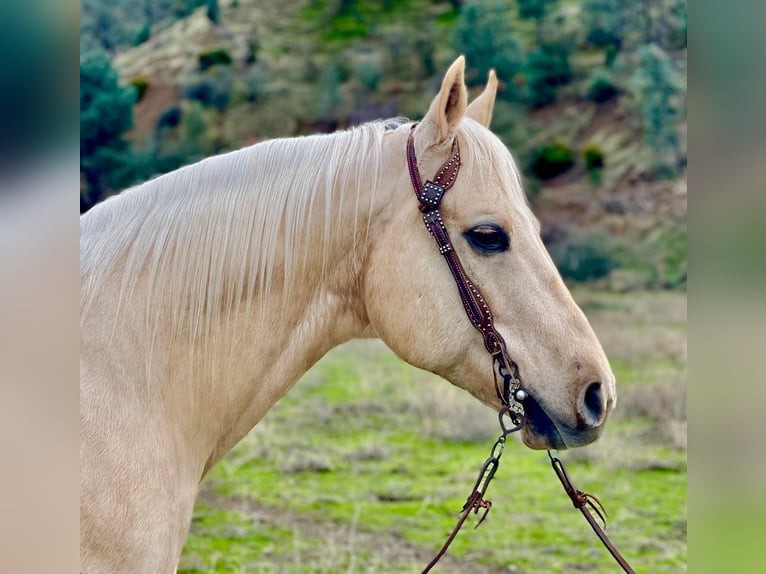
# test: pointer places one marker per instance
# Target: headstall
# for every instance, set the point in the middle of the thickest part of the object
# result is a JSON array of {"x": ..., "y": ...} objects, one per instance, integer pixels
[{"x": 512, "y": 395}]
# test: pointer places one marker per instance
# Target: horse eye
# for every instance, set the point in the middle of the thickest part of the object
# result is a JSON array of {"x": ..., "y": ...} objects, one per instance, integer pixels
[{"x": 487, "y": 238}]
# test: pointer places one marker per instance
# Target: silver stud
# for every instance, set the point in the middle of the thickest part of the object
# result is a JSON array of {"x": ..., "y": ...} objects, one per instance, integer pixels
[{"x": 520, "y": 395}]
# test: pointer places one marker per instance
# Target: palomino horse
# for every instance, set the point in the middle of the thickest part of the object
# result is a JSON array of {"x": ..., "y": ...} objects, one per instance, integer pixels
[{"x": 206, "y": 293}]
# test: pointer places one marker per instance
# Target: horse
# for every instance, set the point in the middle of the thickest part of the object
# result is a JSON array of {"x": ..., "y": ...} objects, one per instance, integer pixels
[{"x": 207, "y": 292}]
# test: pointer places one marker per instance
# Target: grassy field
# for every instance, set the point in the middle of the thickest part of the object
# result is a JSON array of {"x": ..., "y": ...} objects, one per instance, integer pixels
[{"x": 364, "y": 466}]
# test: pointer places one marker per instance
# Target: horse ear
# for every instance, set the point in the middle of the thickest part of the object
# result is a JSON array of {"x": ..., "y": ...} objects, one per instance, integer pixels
[
  {"x": 481, "y": 108},
  {"x": 447, "y": 109}
]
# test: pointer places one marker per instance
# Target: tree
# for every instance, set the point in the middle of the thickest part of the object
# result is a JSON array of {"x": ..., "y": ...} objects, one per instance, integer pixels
[
  {"x": 182, "y": 8},
  {"x": 603, "y": 23},
  {"x": 546, "y": 69},
  {"x": 105, "y": 28},
  {"x": 617, "y": 25},
  {"x": 106, "y": 113},
  {"x": 666, "y": 23},
  {"x": 213, "y": 13},
  {"x": 535, "y": 10},
  {"x": 143, "y": 35},
  {"x": 660, "y": 100},
  {"x": 483, "y": 33}
]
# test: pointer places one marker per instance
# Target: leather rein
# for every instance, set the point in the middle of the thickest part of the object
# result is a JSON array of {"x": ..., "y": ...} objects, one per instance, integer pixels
[{"x": 511, "y": 394}]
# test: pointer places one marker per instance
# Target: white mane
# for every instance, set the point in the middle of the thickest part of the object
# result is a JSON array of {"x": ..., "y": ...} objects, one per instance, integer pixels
[
  {"x": 482, "y": 149},
  {"x": 197, "y": 234}
]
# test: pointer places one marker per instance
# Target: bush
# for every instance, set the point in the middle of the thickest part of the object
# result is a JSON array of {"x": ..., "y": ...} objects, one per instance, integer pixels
[
  {"x": 182, "y": 8},
  {"x": 603, "y": 22},
  {"x": 484, "y": 34},
  {"x": 213, "y": 12},
  {"x": 141, "y": 84},
  {"x": 212, "y": 90},
  {"x": 593, "y": 157},
  {"x": 214, "y": 57},
  {"x": 583, "y": 258},
  {"x": 602, "y": 87},
  {"x": 170, "y": 118},
  {"x": 253, "y": 47},
  {"x": 143, "y": 35},
  {"x": 367, "y": 72},
  {"x": 533, "y": 9},
  {"x": 551, "y": 160},
  {"x": 545, "y": 70},
  {"x": 661, "y": 94}
]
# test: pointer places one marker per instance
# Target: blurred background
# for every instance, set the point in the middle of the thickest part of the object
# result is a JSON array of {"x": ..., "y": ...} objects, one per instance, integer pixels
[{"x": 592, "y": 104}]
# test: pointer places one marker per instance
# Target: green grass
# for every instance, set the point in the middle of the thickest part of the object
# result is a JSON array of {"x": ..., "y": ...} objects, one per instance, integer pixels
[{"x": 364, "y": 466}]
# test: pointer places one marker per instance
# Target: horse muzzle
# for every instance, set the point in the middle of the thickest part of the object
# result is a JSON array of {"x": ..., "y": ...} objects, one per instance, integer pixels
[{"x": 543, "y": 431}]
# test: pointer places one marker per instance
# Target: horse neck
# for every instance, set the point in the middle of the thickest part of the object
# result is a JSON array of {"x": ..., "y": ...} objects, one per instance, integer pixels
[{"x": 312, "y": 302}]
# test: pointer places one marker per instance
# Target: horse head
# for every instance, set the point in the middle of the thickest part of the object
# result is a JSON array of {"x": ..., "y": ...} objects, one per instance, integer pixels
[{"x": 412, "y": 302}]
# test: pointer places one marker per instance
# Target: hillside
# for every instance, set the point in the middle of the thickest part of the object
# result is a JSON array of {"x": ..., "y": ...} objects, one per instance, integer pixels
[{"x": 274, "y": 68}]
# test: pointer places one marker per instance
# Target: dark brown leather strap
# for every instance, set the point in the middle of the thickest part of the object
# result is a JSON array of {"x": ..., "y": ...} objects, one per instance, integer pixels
[
  {"x": 584, "y": 502},
  {"x": 430, "y": 195},
  {"x": 476, "y": 501}
]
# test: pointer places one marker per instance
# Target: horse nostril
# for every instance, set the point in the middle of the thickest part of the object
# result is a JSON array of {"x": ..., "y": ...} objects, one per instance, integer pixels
[{"x": 592, "y": 408}]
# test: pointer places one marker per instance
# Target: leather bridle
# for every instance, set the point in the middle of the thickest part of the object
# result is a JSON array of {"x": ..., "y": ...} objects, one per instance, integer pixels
[
  {"x": 512, "y": 395},
  {"x": 430, "y": 195}
]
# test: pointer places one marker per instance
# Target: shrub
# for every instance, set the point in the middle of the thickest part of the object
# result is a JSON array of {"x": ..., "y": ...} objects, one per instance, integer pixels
[
  {"x": 143, "y": 35},
  {"x": 610, "y": 54},
  {"x": 214, "y": 57},
  {"x": 212, "y": 90},
  {"x": 602, "y": 87},
  {"x": 661, "y": 93},
  {"x": 367, "y": 72},
  {"x": 533, "y": 9},
  {"x": 583, "y": 258},
  {"x": 545, "y": 70},
  {"x": 551, "y": 160},
  {"x": 213, "y": 12},
  {"x": 141, "y": 84},
  {"x": 182, "y": 8},
  {"x": 603, "y": 22},
  {"x": 253, "y": 46},
  {"x": 593, "y": 157},
  {"x": 484, "y": 34},
  {"x": 170, "y": 118}
]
